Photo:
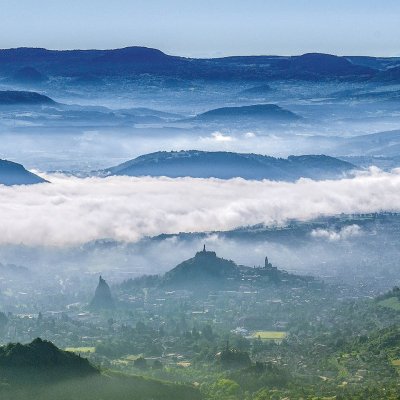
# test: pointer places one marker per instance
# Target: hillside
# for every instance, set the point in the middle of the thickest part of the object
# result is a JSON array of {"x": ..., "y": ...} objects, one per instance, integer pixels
[
  {"x": 391, "y": 75},
  {"x": 205, "y": 268},
  {"x": 41, "y": 371},
  {"x": 375, "y": 144},
  {"x": 313, "y": 65},
  {"x": 264, "y": 112},
  {"x": 227, "y": 165},
  {"x": 206, "y": 271},
  {"x": 42, "y": 356},
  {"x": 16, "y": 97},
  {"x": 15, "y": 174}
]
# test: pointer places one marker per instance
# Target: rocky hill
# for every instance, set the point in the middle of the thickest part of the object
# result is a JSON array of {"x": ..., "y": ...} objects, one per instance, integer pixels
[
  {"x": 102, "y": 299},
  {"x": 205, "y": 268},
  {"x": 206, "y": 271}
]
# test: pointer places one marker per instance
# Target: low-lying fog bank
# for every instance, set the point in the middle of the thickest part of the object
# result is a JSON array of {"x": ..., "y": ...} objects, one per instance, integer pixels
[{"x": 72, "y": 210}]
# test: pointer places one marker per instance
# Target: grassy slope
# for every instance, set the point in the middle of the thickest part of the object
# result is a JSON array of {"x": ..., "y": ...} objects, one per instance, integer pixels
[{"x": 102, "y": 387}]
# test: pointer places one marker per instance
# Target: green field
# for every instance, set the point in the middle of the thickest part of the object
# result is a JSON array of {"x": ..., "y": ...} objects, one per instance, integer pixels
[
  {"x": 81, "y": 349},
  {"x": 391, "y": 302},
  {"x": 269, "y": 335}
]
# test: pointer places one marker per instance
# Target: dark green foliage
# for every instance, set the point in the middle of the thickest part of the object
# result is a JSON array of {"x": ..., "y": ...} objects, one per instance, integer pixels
[
  {"x": 233, "y": 358},
  {"x": 41, "y": 371},
  {"x": 140, "y": 363},
  {"x": 41, "y": 357},
  {"x": 144, "y": 281},
  {"x": 104, "y": 387},
  {"x": 261, "y": 375}
]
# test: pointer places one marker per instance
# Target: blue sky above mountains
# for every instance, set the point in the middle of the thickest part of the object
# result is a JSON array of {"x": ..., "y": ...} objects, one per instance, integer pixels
[{"x": 206, "y": 28}]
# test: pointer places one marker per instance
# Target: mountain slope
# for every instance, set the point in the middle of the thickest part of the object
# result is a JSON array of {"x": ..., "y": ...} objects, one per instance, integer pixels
[
  {"x": 204, "y": 268},
  {"x": 206, "y": 271},
  {"x": 226, "y": 165},
  {"x": 41, "y": 371},
  {"x": 41, "y": 355},
  {"x": 16, "y": 97},
  {"x": 312, "y": 65},
  {"x": 15, "y": 174},
  {"x": 391, "y": 75},
  {"x": 264, "y": 112},
  {"x": 374, "y": 144}
]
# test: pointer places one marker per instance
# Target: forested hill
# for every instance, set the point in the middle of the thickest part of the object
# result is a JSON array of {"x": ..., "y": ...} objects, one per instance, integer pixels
[
  {"x": 41, "y": 371},
  {"x": 43, "y": 356}
]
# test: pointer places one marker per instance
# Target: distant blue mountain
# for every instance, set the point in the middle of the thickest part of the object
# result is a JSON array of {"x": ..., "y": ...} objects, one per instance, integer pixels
[
  {"x": 134, "y": 55},
  {"x": 390, "y": 75},
  {"x": 270, "y": 112},
  {"x": 377, "y": 63},
  {"x": 28, "y": 75},
  {"x": 135, "y": 60},
  {"x": 374, "y": 144},
  {"x": 322, "y": 65},
  {"x": 226, "y": 165},
  {"x": 15, "y": 97},
  {"x": 15, "y": 174},
  {"x": 257, "y": 90}
]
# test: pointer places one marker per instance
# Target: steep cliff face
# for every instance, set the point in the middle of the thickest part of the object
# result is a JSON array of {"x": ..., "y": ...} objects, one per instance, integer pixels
[{"x": 102, "y": 299}]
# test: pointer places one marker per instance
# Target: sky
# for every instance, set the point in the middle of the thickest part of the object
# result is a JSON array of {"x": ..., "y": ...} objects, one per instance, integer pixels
[{"x": 206, "y": 28}]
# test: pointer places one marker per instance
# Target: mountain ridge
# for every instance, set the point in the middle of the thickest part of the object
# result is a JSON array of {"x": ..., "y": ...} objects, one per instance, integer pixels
[
  {"x": 138, "y": 59},
  {"x": 227, "y": 165}
]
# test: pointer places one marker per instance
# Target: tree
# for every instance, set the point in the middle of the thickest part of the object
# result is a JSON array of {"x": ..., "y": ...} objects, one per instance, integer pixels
[{"x": 140, "y": 363}]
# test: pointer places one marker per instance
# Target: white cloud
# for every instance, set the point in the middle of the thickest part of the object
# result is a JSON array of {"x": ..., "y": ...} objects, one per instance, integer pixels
[
  {"x": 71, "y": 210},
  {"x": 221, "y": 137},
  {"x": 342, "y": 234}
]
